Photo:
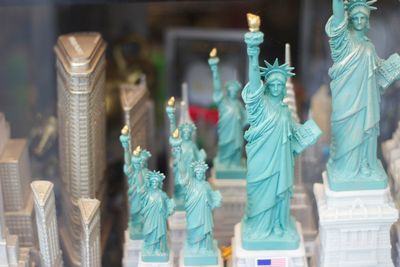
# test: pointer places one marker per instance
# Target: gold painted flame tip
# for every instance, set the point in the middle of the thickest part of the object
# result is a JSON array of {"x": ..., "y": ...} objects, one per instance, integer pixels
[
  {"x": 125, "y": 130},
  {"x": 213, "y": 52},
  {"x": 175, "y": 134},
  {"x": 171, "y": 101},
  {"x": 137, "y": 151},
  {"x": 254, "y": 22}
]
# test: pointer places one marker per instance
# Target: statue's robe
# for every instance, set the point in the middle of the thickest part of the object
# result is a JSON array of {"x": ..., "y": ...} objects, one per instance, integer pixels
[
  {"x": 230, "y": 129},
  {"x": 355, "y": 102},
  {"x": 270, "y": 163}
]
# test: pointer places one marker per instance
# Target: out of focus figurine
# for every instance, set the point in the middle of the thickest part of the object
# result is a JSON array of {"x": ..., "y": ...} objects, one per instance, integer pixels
[
  {"x": 229, "y": 163},
  {"x": 359, "y": 76},
  {"x": 133, "y": 171},
  {"x": 190, "y": 151}
]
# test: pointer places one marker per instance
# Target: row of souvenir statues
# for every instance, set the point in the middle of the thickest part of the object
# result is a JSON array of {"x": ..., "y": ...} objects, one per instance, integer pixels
[{"x": 273, "y": 140}]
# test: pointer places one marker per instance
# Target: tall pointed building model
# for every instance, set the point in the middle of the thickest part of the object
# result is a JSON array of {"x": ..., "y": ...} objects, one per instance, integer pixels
[
  {"x": 90, "y": 241},
  {"x": 50, "y": 253},
  {"x": 15, "y": 176},
  {"x": 81, "y": 115},
  {"x": 301, "y": 206}
]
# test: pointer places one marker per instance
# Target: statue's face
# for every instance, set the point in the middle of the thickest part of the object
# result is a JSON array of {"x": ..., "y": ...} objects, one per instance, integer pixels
[
  {"x": 186, "y": 133},
  {"x": 154, "y": 184},
  {"x": 200, "y": 175},
  {"x": 276, "y": 84},
  {"x": 359, "y": 21}
]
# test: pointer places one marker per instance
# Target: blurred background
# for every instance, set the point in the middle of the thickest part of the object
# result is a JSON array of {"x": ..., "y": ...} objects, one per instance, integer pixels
[{"x": 169, "y": 41}]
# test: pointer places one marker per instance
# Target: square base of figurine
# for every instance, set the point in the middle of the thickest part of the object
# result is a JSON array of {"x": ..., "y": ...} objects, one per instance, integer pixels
[
  {"x": 301, "y": 209},
  {"x": 254, "y": 258},
  {"x": 218, "y": 263},
  {"x": 169, "y": 262},
  {"x": 132, "y": 249},
  {"x": 289, "y": 240},
  {"x": 229, "y": 172},
  {"x": 196, "y": 259},
  {"x": 377, "y": 179},
  {"x": 354, "y": 226}
]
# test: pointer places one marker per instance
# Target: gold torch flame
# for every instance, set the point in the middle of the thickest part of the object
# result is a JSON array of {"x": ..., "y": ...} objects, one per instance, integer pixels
[
  {"x": 175, "y": 134},
  {"x": 137, "y": 151},
  {"x": 254, "y": 22},
  {"x": 125, "y": 130},
  {"x": 213, "y": 52},
  {"x": 171, "y": 101}
]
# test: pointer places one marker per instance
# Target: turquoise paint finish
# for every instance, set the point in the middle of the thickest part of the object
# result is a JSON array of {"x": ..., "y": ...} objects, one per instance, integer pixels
[
  {"x": 156, "y": 207},
  {"x": 231, "y": 121},
  {"x": 200, "y": 200},
  {"x": 236, "y": 172},
  {"x": 273, "y": 140},
  {"x": 359, "y": 77},
  {"x": 183, "y": 154},
  {"x": 133, "y": 171}
]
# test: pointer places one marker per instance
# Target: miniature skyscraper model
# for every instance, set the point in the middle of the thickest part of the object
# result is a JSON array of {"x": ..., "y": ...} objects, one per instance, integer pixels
[
  {"x": 137, "y": 113},
  {"x": 81, "y": 117},
  {"x": 301, "y": 207},
  {"x": 90, "y": 240},
  {"x": 46, "y": 220},
  {"x": 355, "y": 208},
  {"x": 10, "y": 252},
  {"x": 15, "y": 175},
  {"x": 268, "y": 234}
]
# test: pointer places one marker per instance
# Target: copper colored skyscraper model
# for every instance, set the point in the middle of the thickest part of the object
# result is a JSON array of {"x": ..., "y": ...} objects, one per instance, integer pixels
[
  {"x": 45, "y": 207},
  {"x": 81, "y": 115}
]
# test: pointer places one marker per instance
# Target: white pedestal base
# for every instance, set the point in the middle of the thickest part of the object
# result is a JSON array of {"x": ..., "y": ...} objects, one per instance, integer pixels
[
  {"x": 302, "y": 210},
  {"x": 249, "y": 258},
  {"x": 169, "y": 263},
  {"x": 233, "y": 193},
  {"x": 354, "y": 226},
  {"x": 131, "y": 251},
  {"x": 177, "y": 233},
  {"x": 182, "y": 264}
]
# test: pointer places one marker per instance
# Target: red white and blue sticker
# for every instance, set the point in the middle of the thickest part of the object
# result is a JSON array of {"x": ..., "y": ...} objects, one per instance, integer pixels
[{"x": 272, "y": 262}]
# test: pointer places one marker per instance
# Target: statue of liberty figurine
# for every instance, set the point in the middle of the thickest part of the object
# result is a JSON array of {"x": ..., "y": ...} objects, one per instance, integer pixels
[
  {"x": 156, "y": 207},
  {"x": 232, "y": 119},
  {"x": 133, "y": 171},
  {"x": 178, "y": 168},
  {"x": 273, "y": 141},
  {"x": 200, "y": 200},
  {"x": 189, "y": 150},
  {"x": 359, "y": 76}
]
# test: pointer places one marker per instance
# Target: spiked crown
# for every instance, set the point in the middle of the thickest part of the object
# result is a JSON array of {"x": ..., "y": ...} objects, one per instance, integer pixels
[
  {"x": 351, "y": 5},
  {"x": 199, "y": 166},
  {"x": 155, "y": 176},
  {"x": 145, "y": 154},
  {"x": 283, "y": 69}
]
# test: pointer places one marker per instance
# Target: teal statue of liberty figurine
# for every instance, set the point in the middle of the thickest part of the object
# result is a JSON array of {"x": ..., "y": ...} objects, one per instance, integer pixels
[
  {"x": 178, "y": 168},
  {"x": 358, "y": 76},
  {"x": 231, "y": 121},
  {"x": 132, "y": 170},
  {"x": 156, "y": 207},
  {"x": 188, "y": 151},
  {"x": 273, "y": 141},
  {"x": 200, "y": 200}
]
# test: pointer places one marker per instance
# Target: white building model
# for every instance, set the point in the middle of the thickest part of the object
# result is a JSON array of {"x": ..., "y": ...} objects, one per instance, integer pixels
[
  {"x": 46, "y": 220},
  {"x": 90, "y": 237}
]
